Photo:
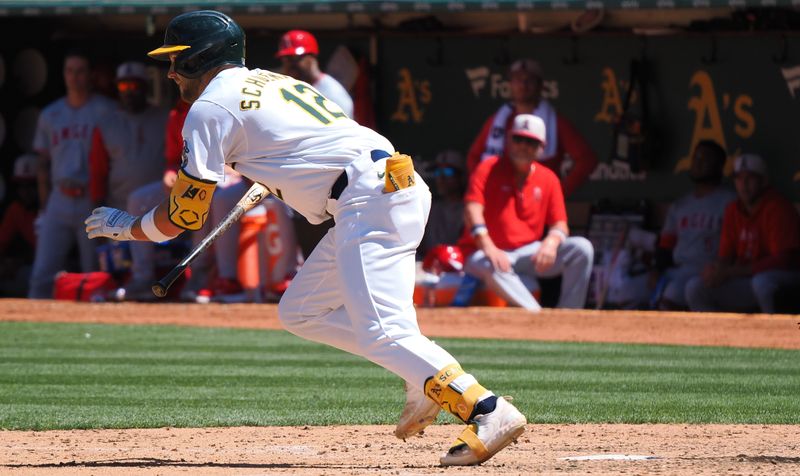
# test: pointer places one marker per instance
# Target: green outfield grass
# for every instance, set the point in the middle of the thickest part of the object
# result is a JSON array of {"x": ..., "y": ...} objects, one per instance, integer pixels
[{"x": 105, "y": 376}]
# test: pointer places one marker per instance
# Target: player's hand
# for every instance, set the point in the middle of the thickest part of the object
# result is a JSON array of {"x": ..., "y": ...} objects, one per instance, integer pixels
[
  {"x": 498, "y": 258},
  {"x": 546, "y": 256},
  {"x": 110, "y": 223}
]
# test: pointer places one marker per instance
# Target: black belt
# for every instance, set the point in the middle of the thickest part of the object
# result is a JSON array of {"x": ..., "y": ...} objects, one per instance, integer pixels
[{"x": 341, "y": 182}]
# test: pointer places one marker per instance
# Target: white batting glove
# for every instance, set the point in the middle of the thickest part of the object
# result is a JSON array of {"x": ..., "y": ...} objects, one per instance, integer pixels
[{"x": 110, "y": 223}]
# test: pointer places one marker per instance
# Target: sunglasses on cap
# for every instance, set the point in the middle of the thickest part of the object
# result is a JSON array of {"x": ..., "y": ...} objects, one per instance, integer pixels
[
  {"x": 529, "y": 141},
  {"x": 445, "y": 172},
  {"x": 127, "y": 85}
]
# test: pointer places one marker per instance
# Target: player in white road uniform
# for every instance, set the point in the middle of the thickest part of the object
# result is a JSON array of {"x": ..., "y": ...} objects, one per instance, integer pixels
[
  {"x": 62, "y": 141},
  {"x": 355, "y": 290}
]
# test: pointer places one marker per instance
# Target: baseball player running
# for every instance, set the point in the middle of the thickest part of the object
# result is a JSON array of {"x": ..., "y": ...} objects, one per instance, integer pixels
[{"x": 355, "y": 290}]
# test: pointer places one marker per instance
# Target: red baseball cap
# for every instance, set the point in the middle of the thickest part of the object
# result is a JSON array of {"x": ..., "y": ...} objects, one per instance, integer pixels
[{"x": 297, "y": 43}]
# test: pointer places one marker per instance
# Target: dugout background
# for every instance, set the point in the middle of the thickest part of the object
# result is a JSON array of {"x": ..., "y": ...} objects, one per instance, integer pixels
[{"x": 436, "y": 81}]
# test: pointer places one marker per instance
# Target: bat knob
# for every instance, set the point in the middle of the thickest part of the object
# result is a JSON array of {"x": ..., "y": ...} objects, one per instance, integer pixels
[{"x": 159, "y": 290}]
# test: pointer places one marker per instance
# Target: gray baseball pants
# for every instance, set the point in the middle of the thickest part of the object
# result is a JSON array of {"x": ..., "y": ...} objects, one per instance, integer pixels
[
  {"x": 573, "y": 263},
  {"x": 742, "y": 294},
  {"x": 61, "y": 227}
]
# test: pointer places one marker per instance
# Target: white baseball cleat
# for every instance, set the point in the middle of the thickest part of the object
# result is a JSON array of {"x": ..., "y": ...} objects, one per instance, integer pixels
[
  {"x": 419, "y": 412},
  {"x": 486, "y": 435}
]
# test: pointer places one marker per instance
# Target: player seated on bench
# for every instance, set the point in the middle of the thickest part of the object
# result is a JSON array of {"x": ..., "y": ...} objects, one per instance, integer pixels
[{"x": 509, "y": 202}]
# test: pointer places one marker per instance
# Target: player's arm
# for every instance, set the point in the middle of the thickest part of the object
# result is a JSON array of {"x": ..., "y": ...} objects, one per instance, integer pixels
[
  {"x": 473, "y": 214},
  {"x": 186, "y": 208}
]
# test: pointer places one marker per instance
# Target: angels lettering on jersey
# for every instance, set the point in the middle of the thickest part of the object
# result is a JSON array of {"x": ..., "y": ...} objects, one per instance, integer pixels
[
  {"x": 70, "y": 132},
  {"x": 701, "y": 221}
]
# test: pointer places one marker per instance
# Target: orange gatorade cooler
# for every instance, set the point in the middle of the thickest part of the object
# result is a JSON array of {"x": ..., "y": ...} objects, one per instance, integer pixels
[{"x": 253, "y": 225}]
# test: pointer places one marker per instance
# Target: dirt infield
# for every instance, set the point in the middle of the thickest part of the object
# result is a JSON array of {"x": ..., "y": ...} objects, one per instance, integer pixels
[{"x": 649, "y": 449}]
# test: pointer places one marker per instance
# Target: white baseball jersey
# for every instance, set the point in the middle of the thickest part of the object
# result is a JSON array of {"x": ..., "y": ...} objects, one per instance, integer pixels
[
  {"x": 66, "y": 134},
  {"x": 333, "y": 90},
  {"x": 696, "y": 223},
  {"x": 275, "y": 130}
]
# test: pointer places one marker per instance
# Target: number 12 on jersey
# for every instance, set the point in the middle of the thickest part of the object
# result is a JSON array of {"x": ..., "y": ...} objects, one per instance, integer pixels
[{"x": 313, "y": 103}]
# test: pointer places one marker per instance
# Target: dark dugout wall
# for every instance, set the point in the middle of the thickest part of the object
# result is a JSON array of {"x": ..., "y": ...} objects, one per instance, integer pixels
[{"x": 741, "y": 90}]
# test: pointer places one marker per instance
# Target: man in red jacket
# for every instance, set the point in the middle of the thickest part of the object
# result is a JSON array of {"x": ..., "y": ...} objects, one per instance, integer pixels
[
  {"x": 526, "y": 81},
  {"x": 759, "y": 251},
  {"x": 509, "y": 202}
]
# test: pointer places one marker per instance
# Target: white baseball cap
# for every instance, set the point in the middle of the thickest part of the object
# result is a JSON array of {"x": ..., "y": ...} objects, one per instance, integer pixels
[
  {"x": 750, "y": 163},
  {"x": 528, "y": 125},
  {"x": 132, "y": 70},
  {"x": 25, "y": 167}
]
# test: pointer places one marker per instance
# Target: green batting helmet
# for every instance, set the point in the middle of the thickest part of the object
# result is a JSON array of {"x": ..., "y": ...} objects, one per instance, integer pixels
[{"x": 203, "y": 40}]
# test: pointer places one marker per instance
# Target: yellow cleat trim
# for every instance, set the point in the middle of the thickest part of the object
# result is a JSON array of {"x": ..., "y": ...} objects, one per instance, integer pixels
[
  {"x": 470, "y": 438},
  {"x": 438, "y": 389}
]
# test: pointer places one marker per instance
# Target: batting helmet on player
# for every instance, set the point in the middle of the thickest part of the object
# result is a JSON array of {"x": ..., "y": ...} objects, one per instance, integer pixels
[
  {"x": 203, "y": 40},
  {"x": 297, "y": 43}
]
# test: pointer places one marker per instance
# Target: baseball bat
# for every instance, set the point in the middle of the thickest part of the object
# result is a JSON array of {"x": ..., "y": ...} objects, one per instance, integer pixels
[{"x": 254, "y": 195}]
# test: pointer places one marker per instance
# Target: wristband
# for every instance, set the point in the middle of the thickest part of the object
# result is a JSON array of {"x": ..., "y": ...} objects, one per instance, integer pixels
[
  {"x": 150, "y": 229},
  {"x": 558, "y": 232},
  {"x": 478, "y": 230}
]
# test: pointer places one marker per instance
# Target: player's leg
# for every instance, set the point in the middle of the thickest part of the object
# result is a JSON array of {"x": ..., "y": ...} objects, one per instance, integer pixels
[
  {"x": 312, "y": 307},
  {"x": 734, "y": 295},
  {"x": 53, "y": 242},
  {"x": 674, "y": 294},
  {"x": 766, "y": 285},
  {"x": 507, "y": 285},
  {"x": 367, "y": 261},
  {"x": 573, "y": 262},
  {"x": 140, "y": 201},
  {"x": 376, "y": 239}
]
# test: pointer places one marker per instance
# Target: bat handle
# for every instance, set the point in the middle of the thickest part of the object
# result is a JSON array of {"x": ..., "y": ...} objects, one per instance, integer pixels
[
  {"x": 161, "y": 286},
  {"x": 159, "y": 289}
]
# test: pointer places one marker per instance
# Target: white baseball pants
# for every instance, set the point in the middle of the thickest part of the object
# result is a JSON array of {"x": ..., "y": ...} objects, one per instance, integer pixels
[{"x": 355, "y": 290}]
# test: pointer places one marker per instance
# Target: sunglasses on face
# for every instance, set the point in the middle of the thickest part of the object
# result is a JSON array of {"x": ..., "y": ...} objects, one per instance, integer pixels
[
  {"x": 445, "y": 172},
  {"x": 125, "y": 86},
  {"x": 525, "y": 141}
]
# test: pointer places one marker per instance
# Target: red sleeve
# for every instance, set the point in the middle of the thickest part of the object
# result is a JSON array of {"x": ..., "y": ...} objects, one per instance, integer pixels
[
  {"x": 582, "y": 155},
  {"x": 783, "y": 227},
  {"x": 477, "y": 181},
  {"x": 16, "y": 220},
  {"x": 667, "y": 241},
  {"x": 173, "y": 142},
  {"x": 478, "y": 145},
  {"x": 783, "y": 237},
  {"x": 727, "y": 239},
  {"x": 363, "y": 107},
  {"x": 556, "y": 208},
  {"x": 98, "y": 168}
]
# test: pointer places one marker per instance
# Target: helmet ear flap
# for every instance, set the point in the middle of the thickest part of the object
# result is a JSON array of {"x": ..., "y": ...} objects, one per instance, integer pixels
[
  {"x": 206, "y": 39},
  {"x": 189, "y": 66}
]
